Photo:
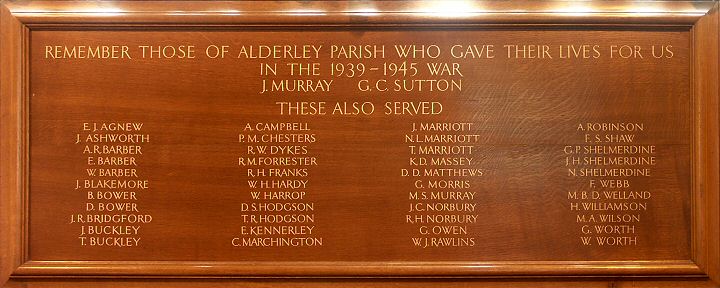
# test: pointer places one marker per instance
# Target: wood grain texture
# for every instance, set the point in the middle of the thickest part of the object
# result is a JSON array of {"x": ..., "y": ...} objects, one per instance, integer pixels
[
  {"x": 352, "y": 283},
  {"x": 706, "y": 86},
  {"x": 359, "y": 14},
  {"x": 11, "y": 87},
  {"x": 676, "y": 16},
  {"x": 358, "y": 269},
  {"x": 202, "y": 190}
]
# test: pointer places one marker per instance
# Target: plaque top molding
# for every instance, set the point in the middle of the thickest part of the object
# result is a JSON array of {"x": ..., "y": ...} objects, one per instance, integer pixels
[{"x": 396, "y": 13}]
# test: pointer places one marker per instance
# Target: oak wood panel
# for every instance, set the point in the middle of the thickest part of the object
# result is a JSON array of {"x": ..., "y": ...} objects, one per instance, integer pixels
[
  {"x": 516, "y": 109},
  {"x": 704, "y": 51}
]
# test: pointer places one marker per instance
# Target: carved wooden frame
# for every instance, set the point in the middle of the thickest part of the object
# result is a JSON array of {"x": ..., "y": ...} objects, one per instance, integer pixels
[{"x": 19, "y": 18}]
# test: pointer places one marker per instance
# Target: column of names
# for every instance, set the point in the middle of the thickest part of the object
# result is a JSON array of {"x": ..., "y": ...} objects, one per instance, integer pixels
[
  {"x": 443, "y": 198},
  {"x": 610, "y": 165},
  {"x": 112, "y": 183},
  {"x": 278, "y": 162}
]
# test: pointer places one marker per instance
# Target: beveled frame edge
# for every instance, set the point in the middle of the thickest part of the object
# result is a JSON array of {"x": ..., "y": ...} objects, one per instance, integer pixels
[
  {"x": 358, "y": 13},
  {"x": 706, "y": 186},
  {"x": 533, "y": 269},
  {"x": 18, "y": 18},
  {"x": 11, "y": 93}
]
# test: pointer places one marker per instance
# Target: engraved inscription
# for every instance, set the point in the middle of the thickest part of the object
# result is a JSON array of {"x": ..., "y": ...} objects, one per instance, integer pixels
[
  {"x": 113, "y": 183},
  {"x": 443, "y": 199},
  {"x": 278, "y": 161},
  {"x": 609, "y": 162}
]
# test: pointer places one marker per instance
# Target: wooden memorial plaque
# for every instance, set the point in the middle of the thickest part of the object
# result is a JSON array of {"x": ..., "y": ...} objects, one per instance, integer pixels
[{"x": 356, "y": 144}]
